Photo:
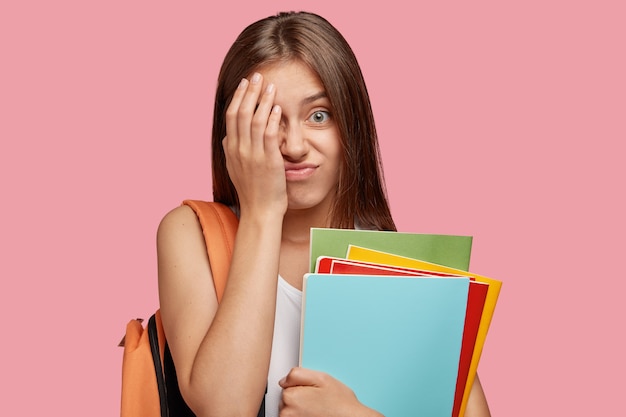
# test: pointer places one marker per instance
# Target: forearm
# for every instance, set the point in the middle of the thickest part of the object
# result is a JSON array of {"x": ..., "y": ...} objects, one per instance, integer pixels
[{"x": 229, "y": 372}]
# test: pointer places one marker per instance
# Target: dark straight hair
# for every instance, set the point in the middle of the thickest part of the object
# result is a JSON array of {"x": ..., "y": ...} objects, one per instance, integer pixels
[{"x": 361, "y": 196}]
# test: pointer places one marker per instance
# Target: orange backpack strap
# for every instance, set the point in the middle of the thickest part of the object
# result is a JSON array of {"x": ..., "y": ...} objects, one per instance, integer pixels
[{"x": 219, "y": 226}]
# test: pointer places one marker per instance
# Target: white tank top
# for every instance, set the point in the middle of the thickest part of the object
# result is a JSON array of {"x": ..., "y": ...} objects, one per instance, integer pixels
[{"x": 285, "y": 344}]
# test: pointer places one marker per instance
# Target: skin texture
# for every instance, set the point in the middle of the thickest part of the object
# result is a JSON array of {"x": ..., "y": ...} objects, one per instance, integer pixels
[{"x": 283, "y": 155}]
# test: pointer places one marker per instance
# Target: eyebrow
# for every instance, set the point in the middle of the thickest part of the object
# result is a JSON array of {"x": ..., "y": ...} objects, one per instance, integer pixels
[{"x": 314, "y": 97}]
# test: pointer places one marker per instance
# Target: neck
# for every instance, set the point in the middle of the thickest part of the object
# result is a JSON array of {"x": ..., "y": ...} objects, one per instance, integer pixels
[{"x": 297, "y": 224}]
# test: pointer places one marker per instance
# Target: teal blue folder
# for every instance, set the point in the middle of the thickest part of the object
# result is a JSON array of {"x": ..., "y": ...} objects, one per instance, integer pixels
[
  {"x": 395, "y": 341},
  {"x": 449, "y": 250}
]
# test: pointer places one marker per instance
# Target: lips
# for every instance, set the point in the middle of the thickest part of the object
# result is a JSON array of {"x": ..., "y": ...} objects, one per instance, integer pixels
[{"x": 299, "y": 172}]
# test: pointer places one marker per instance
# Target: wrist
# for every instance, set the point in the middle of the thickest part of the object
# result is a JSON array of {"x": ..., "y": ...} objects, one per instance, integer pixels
[{"x": 261, "y": 218}]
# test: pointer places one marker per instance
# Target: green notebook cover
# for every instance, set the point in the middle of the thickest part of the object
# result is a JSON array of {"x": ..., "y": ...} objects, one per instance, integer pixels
[{"x": 449, "y": 250}]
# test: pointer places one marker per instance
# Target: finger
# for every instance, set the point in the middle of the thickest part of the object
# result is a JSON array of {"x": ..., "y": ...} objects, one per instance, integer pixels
[
  {"x": 260, "y": 121},
  {"x": 300, "y": 377},
  {"x": 247, "y": 108},
  {"x": 282, "y": 405},
  {"x": 272, "y": 131},
  {"x": 233, "y": 110}
]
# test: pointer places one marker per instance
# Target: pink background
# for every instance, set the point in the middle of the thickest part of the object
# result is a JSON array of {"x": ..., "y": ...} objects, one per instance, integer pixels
[{"x": 501, "y": 120}]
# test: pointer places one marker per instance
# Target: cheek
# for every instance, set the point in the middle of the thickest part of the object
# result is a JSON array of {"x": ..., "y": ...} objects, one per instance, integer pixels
[
  {"x": 335, "y": 150},
  {"x": 328, "y": 144}
]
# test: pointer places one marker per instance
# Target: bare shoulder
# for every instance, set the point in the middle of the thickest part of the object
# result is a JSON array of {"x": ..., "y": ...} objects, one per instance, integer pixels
[
  {"x": 180, "y": 232},
  {"x": 178, "y": 221},
  {"x": 181, "y": 251}
]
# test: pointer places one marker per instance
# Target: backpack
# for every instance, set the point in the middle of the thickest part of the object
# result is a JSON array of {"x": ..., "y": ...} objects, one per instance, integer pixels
[{"x": 149, "y": 382}]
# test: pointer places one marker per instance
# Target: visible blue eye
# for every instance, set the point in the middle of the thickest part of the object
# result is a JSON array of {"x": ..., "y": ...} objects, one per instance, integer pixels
[{"x": 320, "y": 116}]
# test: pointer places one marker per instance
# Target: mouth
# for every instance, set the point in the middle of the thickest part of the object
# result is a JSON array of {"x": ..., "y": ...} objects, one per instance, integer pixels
[{"x": 299, "y": 172}]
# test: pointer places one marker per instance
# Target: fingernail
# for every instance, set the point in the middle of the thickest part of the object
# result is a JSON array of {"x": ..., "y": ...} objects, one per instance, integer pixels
[
  {"x": 256, "y": 77},
  {"x": 276, "y": 109},
  {"x": 242, "y": 83},
  {"x": 270, "y": 88}
]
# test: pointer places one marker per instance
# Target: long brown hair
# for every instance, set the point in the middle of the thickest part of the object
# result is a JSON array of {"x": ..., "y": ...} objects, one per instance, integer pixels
[{"x": 311, "y": 39}]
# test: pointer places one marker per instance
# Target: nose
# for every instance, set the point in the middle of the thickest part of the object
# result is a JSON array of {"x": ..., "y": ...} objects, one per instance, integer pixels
[{"x": 293, "y": 143}]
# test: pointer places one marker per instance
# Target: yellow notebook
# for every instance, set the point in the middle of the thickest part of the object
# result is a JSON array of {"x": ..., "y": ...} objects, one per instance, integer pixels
[{"x": 357, "y": 253}]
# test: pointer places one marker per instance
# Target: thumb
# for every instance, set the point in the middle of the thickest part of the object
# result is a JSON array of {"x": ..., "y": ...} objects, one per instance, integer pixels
[{"x": 299, "y": 377}]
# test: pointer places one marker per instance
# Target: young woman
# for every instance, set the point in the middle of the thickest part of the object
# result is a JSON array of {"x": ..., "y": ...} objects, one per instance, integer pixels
[{"x": 294, "y": 147}]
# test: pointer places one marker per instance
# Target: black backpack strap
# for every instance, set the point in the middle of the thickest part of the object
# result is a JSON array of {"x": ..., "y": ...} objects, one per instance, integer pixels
[
  {"x": 261, "y": 412},
  {"x": 153, "y": 337},
  {"x": 175, "y": 402}
]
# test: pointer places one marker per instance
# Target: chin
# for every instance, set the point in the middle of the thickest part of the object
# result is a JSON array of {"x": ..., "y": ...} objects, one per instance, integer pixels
[
  {"x": 307, "y": 201},
  {"x": 300, "y": 205}
]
